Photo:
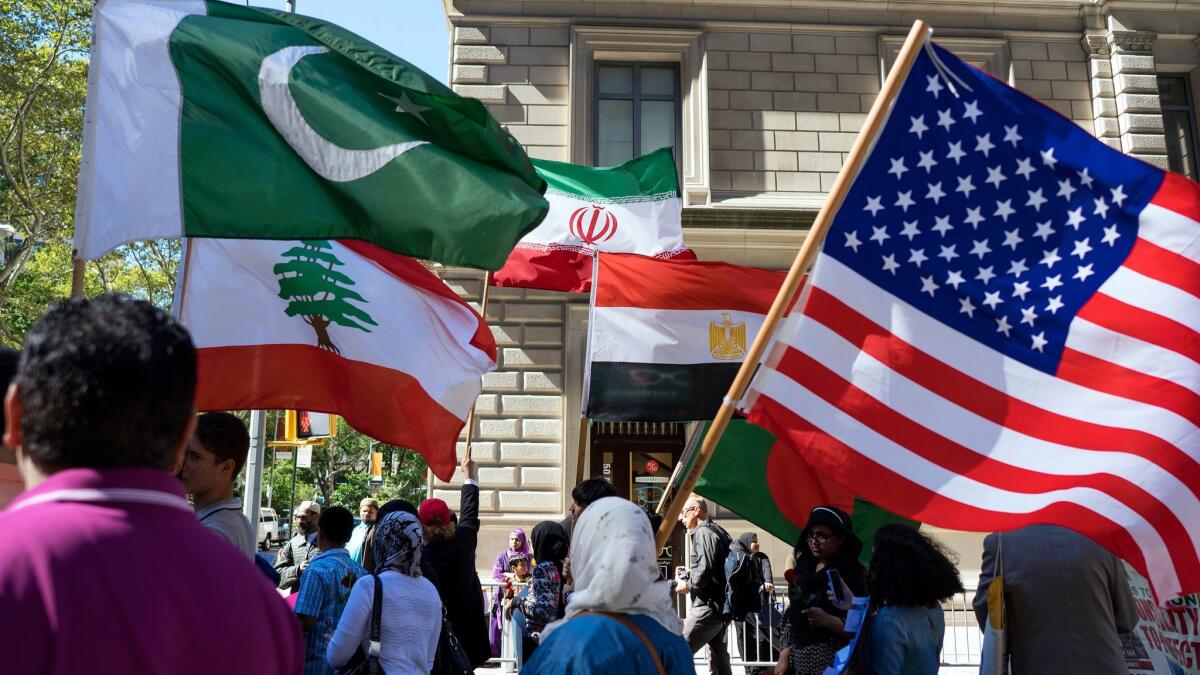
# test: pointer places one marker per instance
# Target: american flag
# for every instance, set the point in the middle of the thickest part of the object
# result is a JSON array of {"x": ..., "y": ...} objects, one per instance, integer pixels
[{"x": 1003, "y": 328}]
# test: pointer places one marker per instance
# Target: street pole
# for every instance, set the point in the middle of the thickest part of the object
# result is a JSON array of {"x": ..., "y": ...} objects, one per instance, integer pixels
[
  {"x": 292, "y": 501},
  {"x": 252, "y": 499}
]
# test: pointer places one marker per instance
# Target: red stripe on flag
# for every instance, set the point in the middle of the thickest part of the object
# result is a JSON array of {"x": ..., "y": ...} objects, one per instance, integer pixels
[
  {"x": 990, "y": 403},
  {"x": 963, "y": 461},
  {"x": 628, "y": 280},
  {"x": 388, "y": 405},
  {"x": 1094, "y": 373},
  {"x": 413, "y": 273},
  {"x": 1142, "y": 324},
  {"x": 1153, "y": 261},
  {"x": 1179, "y": 195},
  {"x": 896, "y": 493},
  {"x": 556, "y": 269}
]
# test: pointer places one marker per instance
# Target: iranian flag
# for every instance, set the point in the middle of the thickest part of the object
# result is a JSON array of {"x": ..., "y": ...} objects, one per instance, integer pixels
[
  {"x": 629, "y": 208},
  {"x": 770, "y": 485},
  {"x": 209, "y": 119},
  {"x": 666, "y": 337},
  {"x": 341, "y": 327}
]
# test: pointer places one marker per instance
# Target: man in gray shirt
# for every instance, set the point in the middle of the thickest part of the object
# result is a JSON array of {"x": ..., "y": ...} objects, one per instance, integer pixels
[{"x": 213, "y": 459}]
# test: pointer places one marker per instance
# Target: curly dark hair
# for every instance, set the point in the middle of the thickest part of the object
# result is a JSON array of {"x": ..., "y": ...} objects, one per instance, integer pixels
[{"x": 909, "y": 568}]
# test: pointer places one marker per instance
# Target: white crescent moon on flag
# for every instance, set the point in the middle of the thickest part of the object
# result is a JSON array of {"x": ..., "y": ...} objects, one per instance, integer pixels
[{"x": 331, "y": 161}]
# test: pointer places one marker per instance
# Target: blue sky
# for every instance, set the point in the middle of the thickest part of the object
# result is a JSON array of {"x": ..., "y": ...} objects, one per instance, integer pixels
[{"x": 414, "y": 30}]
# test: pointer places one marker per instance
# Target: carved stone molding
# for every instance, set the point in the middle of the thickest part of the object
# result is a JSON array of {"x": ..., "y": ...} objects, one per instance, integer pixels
[{"x": 1133, "y": 41}]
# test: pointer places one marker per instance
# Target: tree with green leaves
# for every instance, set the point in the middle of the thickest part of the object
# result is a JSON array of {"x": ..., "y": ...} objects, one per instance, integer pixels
[
  {"x": 318, "y": 293},
  {"x": 43, "y": 82}
]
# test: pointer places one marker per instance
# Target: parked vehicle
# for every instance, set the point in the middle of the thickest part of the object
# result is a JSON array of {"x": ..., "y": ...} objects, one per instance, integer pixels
[{"x": 269, "y": 530}]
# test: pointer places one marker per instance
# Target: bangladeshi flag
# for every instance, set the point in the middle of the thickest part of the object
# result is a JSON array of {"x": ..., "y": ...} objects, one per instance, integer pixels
[
  {"x": 341, "y": 327},
  {"x": 629, "y": 208},
  {"x": 209, "y": 119},
  {"x": 770, "y": 485}
]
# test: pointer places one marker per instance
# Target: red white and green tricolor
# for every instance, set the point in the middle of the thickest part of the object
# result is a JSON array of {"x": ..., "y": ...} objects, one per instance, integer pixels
[
  {"x": 336, "y": 326},
  {"x": 629, "y": 208},
  {"x": 209, "y": 119}
]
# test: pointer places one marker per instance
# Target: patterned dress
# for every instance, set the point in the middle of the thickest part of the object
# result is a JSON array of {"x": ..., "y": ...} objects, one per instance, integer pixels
[{"x": 543, "y": 601}]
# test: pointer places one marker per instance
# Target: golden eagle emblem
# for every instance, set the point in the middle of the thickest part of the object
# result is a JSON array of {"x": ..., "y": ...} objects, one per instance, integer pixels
[{"x": 726, "y": 339}]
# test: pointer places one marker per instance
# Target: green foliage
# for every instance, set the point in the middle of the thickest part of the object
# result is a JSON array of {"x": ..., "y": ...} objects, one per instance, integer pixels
[
  {"x": 43, "y": 80},
  {"x": 339, "y": 473}
]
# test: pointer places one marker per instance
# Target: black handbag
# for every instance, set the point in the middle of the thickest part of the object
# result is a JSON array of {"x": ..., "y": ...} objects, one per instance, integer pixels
[
  {"x": 451, "y": 658},
  {"x": 367, "y": 662}
]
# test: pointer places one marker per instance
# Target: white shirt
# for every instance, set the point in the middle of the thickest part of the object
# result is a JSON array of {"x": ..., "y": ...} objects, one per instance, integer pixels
[
  {"x": 411, "y": 624},
  {"x": 227, "y": 520}
]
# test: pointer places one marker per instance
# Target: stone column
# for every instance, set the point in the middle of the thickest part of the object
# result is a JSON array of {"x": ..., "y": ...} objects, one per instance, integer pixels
[
  {"x": 1135, "y": 85},
  {"x": 1104, "y": 99}
]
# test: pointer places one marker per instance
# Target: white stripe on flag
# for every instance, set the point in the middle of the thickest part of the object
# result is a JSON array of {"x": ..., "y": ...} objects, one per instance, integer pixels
[
  {"x": 1132, "y": 353},
  {"x": 954, "y": 486},
  {"x": 131, "y": 127},
  {"x": 1153, "y": 295},
  {"x": 666, "y": 336},
  {"x": 1170, "y": 230},
  {"x": 1001, "y": 372},
  {"x": 646, "y": 227}
]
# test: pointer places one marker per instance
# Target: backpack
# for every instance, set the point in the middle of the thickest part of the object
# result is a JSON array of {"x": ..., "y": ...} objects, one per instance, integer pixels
[{"x": 744, "y": 587}]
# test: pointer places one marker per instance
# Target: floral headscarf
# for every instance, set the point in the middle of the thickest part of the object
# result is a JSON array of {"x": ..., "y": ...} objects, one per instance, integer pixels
[{"x": 397, "y": 544}]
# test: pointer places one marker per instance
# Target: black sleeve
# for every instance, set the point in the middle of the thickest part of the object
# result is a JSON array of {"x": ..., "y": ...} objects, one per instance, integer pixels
[{"x": 467, "y": 532}]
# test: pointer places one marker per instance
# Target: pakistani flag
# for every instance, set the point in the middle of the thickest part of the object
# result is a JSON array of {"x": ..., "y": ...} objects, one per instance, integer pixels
[
  {"x": 207, "y": 119},
  {"x": 771, "y": 486}
]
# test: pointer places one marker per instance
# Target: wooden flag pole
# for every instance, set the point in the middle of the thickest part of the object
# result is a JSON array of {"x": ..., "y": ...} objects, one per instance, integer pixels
[
  {"x": 78, "y": 270},
  {"x": 483, "y": 304},
  {"x": 791, "y": 284}
]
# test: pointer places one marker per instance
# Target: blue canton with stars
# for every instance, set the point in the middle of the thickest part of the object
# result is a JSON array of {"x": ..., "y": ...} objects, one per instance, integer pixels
[{"x": 989, "y": 211}]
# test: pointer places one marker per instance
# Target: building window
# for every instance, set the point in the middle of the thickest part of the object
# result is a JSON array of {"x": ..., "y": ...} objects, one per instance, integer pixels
[
  {"x": 1178, "y": 124},
  {"x": 637, "y": 110}
]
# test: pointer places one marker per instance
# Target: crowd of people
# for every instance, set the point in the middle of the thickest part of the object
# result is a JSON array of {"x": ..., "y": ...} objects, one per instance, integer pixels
[{"x": 100, "y": 417}]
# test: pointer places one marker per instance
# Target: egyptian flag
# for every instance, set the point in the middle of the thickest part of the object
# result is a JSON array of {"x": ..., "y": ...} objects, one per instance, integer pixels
[
  {"x": 666, "y": 337},
  {"x": 629, "y": 208},
  {"x": 341, "y": 327}
]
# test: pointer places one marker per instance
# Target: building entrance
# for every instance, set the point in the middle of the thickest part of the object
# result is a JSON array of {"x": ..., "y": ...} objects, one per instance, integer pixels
[{"x": 638, "y": 459}]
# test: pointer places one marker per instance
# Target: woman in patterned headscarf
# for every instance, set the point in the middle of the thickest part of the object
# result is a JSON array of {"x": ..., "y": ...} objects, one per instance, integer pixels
[{"x": 411, "y": 619}]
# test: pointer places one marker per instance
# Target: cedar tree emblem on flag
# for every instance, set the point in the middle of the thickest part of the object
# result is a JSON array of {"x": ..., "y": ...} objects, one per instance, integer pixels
[
  {"x": 727, "y": 339},
  {"x": 318, "y": 293}
]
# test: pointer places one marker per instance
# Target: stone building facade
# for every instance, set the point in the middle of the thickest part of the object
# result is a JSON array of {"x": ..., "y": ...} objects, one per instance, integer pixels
[{"x": 771, "y": 94}]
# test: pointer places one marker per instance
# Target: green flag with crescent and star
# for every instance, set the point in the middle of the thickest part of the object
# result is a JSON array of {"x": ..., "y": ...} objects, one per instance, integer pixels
[{"x": 208, "y": 119}]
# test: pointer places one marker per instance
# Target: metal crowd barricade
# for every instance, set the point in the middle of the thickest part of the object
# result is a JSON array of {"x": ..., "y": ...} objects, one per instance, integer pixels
[
  {"x": 508, "y": 661},
  {"x": 755, "y": 643}
]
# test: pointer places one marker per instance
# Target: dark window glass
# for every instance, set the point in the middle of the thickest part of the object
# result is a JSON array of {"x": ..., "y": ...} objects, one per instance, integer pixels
[
  {"x": 1178, "y": 124},
  {"x": 637, "y": 110}
]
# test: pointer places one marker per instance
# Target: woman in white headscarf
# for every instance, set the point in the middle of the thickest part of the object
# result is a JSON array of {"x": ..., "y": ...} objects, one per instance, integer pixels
[
  {"x": 621, "y": 617},
  {"x": 411, "y": 616}
]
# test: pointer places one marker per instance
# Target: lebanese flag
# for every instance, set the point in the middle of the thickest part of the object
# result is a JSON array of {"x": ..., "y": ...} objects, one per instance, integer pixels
[
  {"x": 629, "y": 208},
  {"x": 342, "y": 327},
  {"x": 666, "y": 337}
]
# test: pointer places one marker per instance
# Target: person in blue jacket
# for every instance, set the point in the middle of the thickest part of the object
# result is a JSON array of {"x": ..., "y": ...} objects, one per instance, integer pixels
[{"x": 621, "y": 618}]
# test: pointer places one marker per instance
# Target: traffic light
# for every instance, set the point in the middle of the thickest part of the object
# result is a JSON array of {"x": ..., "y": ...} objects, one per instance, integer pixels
[{"x": 302, "y": 425}]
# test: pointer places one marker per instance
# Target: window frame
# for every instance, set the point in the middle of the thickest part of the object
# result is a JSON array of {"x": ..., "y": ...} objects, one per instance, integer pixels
[
  {"x": 1187, "y": 107},
  {"x": 637, "y": 97}
]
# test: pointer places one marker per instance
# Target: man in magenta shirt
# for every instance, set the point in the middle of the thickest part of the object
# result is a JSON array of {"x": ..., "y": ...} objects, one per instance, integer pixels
[{"x": 103, "y": 566}]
